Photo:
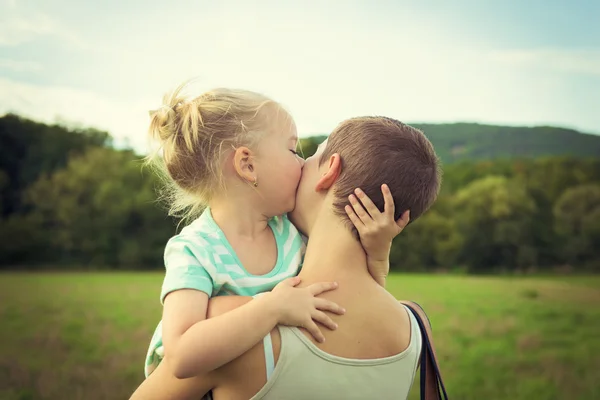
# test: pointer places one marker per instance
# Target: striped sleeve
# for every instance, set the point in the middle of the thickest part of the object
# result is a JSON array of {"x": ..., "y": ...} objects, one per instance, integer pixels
[
  {"x": 186, "y": 268},
  {"x": 294, "y": 244}
]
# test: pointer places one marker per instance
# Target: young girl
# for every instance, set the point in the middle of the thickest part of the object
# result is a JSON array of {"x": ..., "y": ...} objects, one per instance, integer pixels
[{"x": 230, "y": 156}]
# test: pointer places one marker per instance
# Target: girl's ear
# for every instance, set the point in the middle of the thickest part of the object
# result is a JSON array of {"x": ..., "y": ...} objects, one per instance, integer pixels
[{"x": 243, "y": 164}]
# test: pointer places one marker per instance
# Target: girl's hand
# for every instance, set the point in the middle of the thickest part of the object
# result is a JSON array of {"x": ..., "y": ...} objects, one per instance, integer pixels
[
  {"x": 376, "y": 229},
  {"x": 300, "y": 306}
]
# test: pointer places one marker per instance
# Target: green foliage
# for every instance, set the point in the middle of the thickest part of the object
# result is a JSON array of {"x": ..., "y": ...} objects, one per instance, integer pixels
[
  {"x": 577, "y": 222},
  {"x": 101, "y": 210},
  {"x": 68, "y": 198},
  {"x": 28, "y": 149},
  {"x": 308, "y": 146},
  {"x": 494, "y": 215},
  {"x": 433, "y": 241}
]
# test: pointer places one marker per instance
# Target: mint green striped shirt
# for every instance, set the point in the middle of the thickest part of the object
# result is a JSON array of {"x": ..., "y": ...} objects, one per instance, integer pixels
[{"x": 201, "y": 258}]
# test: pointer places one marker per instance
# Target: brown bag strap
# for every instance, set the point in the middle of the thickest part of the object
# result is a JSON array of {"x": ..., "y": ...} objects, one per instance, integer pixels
[{"x": 432, "y": 385}]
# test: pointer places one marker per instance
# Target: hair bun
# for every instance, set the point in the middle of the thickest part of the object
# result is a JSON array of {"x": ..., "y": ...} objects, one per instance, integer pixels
[{"x": 163, "y": 121}]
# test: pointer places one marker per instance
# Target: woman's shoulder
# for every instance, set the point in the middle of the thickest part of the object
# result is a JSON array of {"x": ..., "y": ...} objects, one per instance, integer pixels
[{"x": 418, "y": 311}]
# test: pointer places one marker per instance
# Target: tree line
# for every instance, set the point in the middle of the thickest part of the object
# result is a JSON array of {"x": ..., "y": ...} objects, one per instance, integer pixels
[{"x": 69, "y": 199}]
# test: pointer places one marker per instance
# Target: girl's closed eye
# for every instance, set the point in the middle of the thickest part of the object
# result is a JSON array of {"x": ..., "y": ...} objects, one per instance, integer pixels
[{"x": 294, "y": 152}]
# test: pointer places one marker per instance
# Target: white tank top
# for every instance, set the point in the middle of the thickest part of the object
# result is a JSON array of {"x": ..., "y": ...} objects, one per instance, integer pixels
[{"x": 304, "y": 371}]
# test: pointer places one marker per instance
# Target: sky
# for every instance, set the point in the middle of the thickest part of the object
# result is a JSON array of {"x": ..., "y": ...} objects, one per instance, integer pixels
[{"x": 106, "y": 64}]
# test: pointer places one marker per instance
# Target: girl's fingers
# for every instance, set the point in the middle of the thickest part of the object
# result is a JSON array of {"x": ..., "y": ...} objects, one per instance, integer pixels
[
  {"x": 404, "y": 219},
  {"x": 358, "y": 224},
  {"x": 359, "y": 210},
  {"x": 327, "y": 305},
  {"x": 368, "y": 203},
  {"x": 389, "y": 207},
  {"x": 318, "y": 288},
  {"x": 324, "y": 319},
  {"x": 294, "y": 281},
  {"x": 314, "y": 330}
]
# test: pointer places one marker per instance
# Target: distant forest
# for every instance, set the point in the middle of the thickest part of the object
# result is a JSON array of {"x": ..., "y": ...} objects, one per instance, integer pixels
[{"x": 513, "y": 199}]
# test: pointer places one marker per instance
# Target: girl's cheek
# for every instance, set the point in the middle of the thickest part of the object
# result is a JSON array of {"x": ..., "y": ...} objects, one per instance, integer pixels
[
  {"x": 293, "y": 178},
  {"x": 299, "y": 176}
]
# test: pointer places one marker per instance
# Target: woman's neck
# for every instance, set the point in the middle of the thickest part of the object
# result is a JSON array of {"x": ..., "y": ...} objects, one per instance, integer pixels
[{"x": 333, "y": 254}]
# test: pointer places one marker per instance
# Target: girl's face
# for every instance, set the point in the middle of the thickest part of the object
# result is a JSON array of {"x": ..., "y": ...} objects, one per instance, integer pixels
[
  {"x": 279, "y": 167},
  {"x": 307, "y": 197}
]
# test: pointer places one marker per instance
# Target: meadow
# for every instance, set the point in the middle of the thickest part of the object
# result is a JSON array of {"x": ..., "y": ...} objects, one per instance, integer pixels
[{"x": 84, "y": 335}]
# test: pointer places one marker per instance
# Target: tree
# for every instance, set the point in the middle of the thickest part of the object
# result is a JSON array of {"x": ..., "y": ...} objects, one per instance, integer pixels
[
  {"x": 577, "y": 222},
  {"x": 433, "y": 242},
  {"x": 494, "y": 215},
  {"x": 308, "y": 146},
  {"x": 100, "y": 210},
  {"x": 29, "y": 149}
]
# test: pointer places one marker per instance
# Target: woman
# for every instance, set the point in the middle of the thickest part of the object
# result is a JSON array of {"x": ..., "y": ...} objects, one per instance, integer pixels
[{"x": 376, "y": 349}]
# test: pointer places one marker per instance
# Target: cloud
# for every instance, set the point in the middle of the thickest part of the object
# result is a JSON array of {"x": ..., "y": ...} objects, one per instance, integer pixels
[
  {"x": 19, "y": 25},
  {"x": 19, "y": 66},
  {"x": 414, "y": 71},
  {"x": 126, "y": 121},
  {"x": 579, "y": 61}
]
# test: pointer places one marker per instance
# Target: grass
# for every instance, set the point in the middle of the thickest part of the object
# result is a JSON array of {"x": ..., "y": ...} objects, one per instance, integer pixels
[{"x": 84, "y": 335}]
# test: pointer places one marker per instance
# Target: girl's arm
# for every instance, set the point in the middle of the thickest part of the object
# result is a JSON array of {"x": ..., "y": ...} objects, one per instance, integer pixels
[
  {"x": 376, "y": 229},
  {"x": 162, "y": 384},
  {"x": 195, "y": 345}
]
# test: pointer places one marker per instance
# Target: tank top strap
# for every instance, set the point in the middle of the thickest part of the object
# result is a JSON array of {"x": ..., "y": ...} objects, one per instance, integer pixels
[{"x": 269, "y": 357}]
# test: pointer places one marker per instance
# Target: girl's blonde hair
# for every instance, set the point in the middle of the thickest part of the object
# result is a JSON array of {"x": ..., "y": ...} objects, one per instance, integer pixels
[{"x": 195, "y": 134}]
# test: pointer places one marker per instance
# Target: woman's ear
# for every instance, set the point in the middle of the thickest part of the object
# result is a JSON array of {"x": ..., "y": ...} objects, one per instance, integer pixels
[
  {"x": 332, "y": 172},
  {"x": 243, "y": 164}
]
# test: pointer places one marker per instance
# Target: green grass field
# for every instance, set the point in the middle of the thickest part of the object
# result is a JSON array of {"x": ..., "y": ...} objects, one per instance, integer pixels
[{"x": 84, "y": 336}]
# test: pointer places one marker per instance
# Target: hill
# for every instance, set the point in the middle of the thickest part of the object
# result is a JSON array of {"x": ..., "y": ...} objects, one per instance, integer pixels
[{"x": 469, "y": 141}]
